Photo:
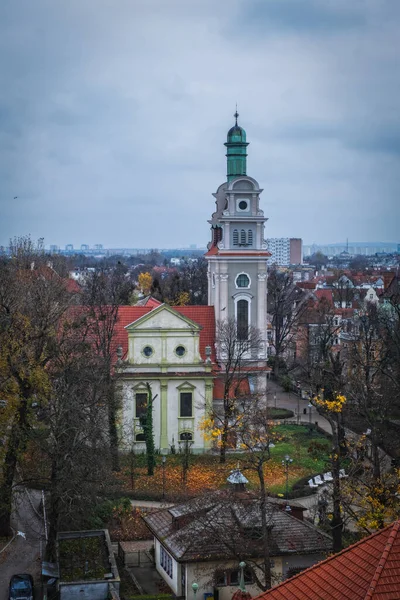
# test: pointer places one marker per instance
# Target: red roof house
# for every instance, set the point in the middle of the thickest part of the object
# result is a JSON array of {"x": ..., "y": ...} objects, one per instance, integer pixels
[{"x": 368, "y": 570}]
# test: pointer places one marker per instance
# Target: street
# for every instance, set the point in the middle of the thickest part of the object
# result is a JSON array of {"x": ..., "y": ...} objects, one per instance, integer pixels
[{"x": 23, "y": 555}]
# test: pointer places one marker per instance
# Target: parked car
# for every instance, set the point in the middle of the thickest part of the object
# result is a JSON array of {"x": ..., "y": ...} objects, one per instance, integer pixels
[{"x": 21, "y": 587}]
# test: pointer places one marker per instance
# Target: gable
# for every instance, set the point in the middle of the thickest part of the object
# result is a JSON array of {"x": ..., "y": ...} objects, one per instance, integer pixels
[{"x": 165, "y": 318}]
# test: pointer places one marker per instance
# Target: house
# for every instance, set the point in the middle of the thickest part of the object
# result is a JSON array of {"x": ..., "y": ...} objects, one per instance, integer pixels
[
  {"x": 203, "y": 540},
  {"x": 368, "y": 570}
]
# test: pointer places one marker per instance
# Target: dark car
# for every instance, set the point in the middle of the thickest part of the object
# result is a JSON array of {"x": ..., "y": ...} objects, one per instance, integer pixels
[{"x": 21, "y": 587}]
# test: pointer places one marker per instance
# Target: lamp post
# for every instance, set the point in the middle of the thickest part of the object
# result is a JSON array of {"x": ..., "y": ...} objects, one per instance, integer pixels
[
  {"x": 286, "y": 462},
  {"x": 195, "y": 587},
  {"x": 298, "y": 401},
  {"x": 309, "y": 414},
  {"x": 163, "y": 460},
  {"x": 275, "y": 398},
  {"x": 242, "y": 566}
]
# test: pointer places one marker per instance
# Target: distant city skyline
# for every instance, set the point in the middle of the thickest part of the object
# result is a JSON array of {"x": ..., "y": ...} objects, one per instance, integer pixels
[{"x": 113, "y": 117}]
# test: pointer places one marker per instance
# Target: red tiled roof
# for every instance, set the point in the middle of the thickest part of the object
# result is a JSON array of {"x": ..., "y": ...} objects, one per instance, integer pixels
[
  {"x": 368, "y": 570},
  {"x": 326, "y": 294},
  {"x": 306, "y": 285},
  {"x": 202, "y": 315},
  {"x": 244, "y": 388}
]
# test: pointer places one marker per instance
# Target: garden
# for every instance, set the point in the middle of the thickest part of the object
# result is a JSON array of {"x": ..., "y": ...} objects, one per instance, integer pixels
[{"x": 309, "y": 450}]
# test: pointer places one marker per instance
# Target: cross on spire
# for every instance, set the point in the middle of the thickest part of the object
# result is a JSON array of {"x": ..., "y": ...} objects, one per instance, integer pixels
[{"x": 236, "y": 115}]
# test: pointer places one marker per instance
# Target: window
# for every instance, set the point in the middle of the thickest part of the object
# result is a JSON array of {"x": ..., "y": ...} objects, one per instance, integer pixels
[
  {"x": 147, "y": 351},
  {"x": 186, "y": 404},
  {"x": 140, "y": 404},
  {"x": 180, "y": 351},
  {"x": 242, "y": 281},
  {"x": 140, "y": 437},
  {"x": 249, "y": 237},
  {"x": 233, "y": 577},
  {"x": 243, "y": 237},
  {"x": 186, "y": 435},
  {"x": 166, "y": 562},
  {"x": 242, "y": 319},
  {"x": 235, "y": 237},
  {"x": 243, "y": 205}
]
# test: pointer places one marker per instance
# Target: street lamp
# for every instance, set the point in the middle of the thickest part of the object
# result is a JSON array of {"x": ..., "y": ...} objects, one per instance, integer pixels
[
  {"x": 163, "y": 460},
  {"x": 195, "y": 587},
  {"x": 242, "y": 566},
  {"x": 286, "y": 462},
  {"x": 275, "y": 398}
]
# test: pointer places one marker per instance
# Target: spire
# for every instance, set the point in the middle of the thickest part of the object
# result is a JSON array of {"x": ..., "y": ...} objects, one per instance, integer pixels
[{"x": 236, "y": 150}]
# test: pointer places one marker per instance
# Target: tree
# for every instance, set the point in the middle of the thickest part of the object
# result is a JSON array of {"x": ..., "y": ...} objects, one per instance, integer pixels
[
  {"x": 145, "y": 281},
  {"x": 33, "y": 298},
  {"x": 238, "y": 354},
  {"x": 102, "y": 295},
  {"x": 73, "y": 435},
  {"x": 146, "y": 421},
  {"x": 286, "y": 304}
]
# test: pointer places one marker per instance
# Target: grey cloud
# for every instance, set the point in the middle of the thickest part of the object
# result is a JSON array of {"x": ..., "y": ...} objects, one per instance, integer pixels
[{"x": 302, "y": 16}]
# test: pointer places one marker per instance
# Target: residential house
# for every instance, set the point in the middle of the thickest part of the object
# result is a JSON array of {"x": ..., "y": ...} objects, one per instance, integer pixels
[{"x": 203, "y": 540}]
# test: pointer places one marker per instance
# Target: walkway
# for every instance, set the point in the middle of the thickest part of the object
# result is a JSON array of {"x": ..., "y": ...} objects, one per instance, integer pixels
[{"x": 293, "y": 402}]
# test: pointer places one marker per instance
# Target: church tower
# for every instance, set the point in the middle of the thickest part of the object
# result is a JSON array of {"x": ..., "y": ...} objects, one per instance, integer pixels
[{"x": 237, "y": 254}]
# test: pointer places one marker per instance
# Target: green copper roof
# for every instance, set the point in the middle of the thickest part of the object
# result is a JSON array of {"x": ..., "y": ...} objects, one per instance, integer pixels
[{"x": 236, "y": 150}]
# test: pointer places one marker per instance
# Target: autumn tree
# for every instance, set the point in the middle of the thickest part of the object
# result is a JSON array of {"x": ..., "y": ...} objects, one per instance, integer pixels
[
  {"x": 33, "y": 298},
  {"x": 286, "y": 304},
  {"x": 238, "y": 354},
  {"x": 145, "y": 281}
]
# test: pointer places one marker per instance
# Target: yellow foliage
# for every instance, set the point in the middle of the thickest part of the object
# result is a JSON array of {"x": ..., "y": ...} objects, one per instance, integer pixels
[
  {"x": 145, "y": 281},
  {"x": 182, "y": 299},
  {"x": 334, "y": 406}
]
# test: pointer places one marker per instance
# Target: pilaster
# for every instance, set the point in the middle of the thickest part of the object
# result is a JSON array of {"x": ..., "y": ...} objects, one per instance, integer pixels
[{"x": 164, "y": 415}]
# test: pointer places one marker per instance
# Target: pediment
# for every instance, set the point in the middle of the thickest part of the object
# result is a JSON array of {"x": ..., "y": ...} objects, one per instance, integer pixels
[{"x": 163, "y": 318}]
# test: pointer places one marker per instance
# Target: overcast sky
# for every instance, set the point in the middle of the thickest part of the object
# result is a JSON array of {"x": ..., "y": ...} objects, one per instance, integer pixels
[{"x": 113, "y": 115}]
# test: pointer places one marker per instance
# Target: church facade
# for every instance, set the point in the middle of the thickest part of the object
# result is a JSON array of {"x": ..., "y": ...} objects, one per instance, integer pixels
[{"x": 175, "y": 349}]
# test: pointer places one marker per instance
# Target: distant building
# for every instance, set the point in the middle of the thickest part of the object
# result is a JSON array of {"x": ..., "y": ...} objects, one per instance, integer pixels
[{"x": 285, "y": 251}]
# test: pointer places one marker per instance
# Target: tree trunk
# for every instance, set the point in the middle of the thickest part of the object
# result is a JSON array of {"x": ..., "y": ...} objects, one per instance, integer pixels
[
  {"x": 336, "y": 522},
  {"x": 54, "y": 514},
  {"x": 112, "y": 429},
  {"x": 224, "y": 439},
  {"x": 264, "y": 529}
]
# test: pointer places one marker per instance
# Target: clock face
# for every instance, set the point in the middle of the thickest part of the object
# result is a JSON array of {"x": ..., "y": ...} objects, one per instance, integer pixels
[{"x": 243, "y": 204}]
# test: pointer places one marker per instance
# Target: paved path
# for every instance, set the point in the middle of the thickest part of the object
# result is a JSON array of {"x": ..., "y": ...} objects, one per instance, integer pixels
[
  {"x": 293, "y": 402},
  {"x": 23, "y": 555}
]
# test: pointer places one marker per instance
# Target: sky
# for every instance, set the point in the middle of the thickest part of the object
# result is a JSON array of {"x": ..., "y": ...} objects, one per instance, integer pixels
[{"x": 113, "y": 116}]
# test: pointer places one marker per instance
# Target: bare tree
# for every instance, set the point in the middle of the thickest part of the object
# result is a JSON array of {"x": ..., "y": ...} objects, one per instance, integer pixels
[
  {"x": 286, "y": 304},
  {"x": 238, "y": 354}
]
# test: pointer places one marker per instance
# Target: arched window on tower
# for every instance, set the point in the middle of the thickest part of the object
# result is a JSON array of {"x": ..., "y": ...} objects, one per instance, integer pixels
[
  {"x": 250, "y": 238},
  {"x": 242, "y": 320},
  {"x": 235, "y": 237},
  {"x": 242, "y": 237}
]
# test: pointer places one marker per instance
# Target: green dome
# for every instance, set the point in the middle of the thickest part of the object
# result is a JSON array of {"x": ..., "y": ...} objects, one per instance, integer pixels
[{"x": 236, "y": 134}]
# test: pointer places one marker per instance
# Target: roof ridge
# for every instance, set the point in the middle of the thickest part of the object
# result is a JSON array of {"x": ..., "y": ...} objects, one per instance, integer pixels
[
  {"x": 382, "y": 561},
  {"x": 326, "y": 560}
]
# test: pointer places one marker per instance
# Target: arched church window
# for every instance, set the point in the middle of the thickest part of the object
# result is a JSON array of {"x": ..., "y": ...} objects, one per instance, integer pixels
[
  {"x": 242, "y": 237},
  {"x": 242, "y": 281},
  {"x": 250, "y": 238},
  {"x": 242, "y": 319},
  {"x": 235, "y": 237}
]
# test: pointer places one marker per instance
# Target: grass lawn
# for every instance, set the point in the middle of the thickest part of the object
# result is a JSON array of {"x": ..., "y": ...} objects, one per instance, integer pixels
[{"x": 206, "y": 473}]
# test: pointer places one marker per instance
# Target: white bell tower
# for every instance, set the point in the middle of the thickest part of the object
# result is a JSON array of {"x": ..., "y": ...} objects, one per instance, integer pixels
[{"x": 237, "y": 254}]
